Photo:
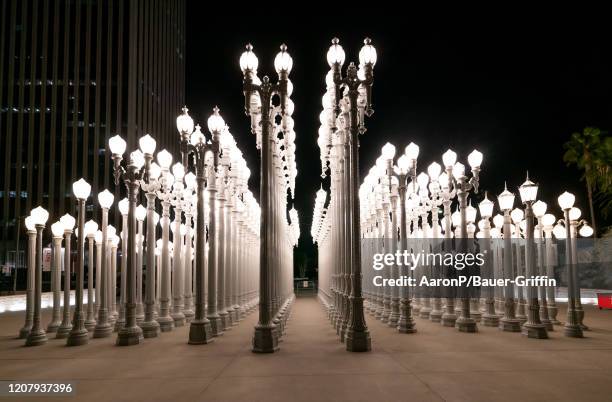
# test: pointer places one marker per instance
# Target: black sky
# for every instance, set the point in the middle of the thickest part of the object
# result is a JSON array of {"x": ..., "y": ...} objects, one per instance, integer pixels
[{"x": 515, "y": 94}]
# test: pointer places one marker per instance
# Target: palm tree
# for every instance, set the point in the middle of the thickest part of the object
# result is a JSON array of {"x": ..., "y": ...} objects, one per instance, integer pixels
[{"x": 591, "y": 152}]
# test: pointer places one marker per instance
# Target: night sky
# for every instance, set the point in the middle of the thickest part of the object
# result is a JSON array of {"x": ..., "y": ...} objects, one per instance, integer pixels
[{"x": 515, "y": 96}]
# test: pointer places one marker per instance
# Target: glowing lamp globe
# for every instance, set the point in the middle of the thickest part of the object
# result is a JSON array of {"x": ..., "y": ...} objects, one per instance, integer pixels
[
  {"x": 283, "y": 62},
  {"x": 141, "y": 213},
  {"x": 197, "y": 137},
  {"x": 117, "y": 145},
  {"x": 154, "y": 171},
  {"x": 498, "y": 221},
  {"x": 517, "y": 215},
  {"x": 184, "y": 122},
  {"x": 388, "y": 151},
  {"x": 475, "y": 159},
  {"x": 29, "y": 223},
  {"x": 539, "y": 208},
  {"x": 456, "y": 218},
  {"x": 559, "y": 231},
  {"x": 179, "y": 171},
  {"x": 40, "y": 215},
  {"x": 548, "y": 219},
  {"x": 111, "y": 231},
  {"x": 433, "y": 170},
  {"x": 105, "y": 198},
  {"x": 68, "y": 221},
  {"x": 458, "y": 170},
  {"x": 248, "y": 60},
  {"x": 98, "y": 236},
  {"x": 81, "y": 189},
  {"x": 566, "y": 200},
  {"x": 190, "y": 180},
  {"x": 586, "y": 231},
  {"x": 57, "y": 229},
  {"x": 137, "y": 159},
  {"x": 124, "y": 206},
  {"x": 412, "y": 151},
  {"x": 335, "y": 54},
  {"x": 528, "y": 191},
  {"x": 164, "y": 158},
  {"x": 147, "y": 144},
  {"x": 486, "y": 207},
  {"x": 574, "y": 213},
  {"x": 90, "y": 227},
  {"x": 449, "y": 158},
  {"x": 215, "y": 122},
  {"x": 470, "y": 213},
  {"x": 423, "y": 180},
  {"x": 367, "y": 54},
  {"x": 505, "y": 200}
]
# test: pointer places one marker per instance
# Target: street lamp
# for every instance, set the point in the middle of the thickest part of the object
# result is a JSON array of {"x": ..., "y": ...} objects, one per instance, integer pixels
[
  {"x": 91, "y": 227},
  {"x": 78, "y": 333},
  {"x": 358, "y": 84},
  {"x": 37, "y": 335},
  {"x": 258, "y": 104},
  {"x": 56, "y": 275},
  {"x": 406, "y": 167},
  {"x": 572, "y": 326},
  {"x": 130, "y": 334},
  {"x": 31, "y": 231},
  {"x": 533, "y": 328},
  {"x": 508, "y": 322},
  {"x": 103, "y": 328},
  {"x": 68, "y": 222},
  {"x": 202, "y": 329},
  {"x": 490, "y": 317},
  {"x": 539, "y": 210},
  {"x": 150, "y": 327}
]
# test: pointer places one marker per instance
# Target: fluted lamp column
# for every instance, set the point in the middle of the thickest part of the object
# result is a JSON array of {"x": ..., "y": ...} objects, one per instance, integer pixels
[
  {"x": 56, "y": 276},
  {"x": 31, "y": 273},
  {"x": 68, "y": 222},
  {"x": 78, "y": 334},
  {"x": 103, "y": 327},
  {"x": 91, "y": 227},
  {"x": 37, "y": 335}
]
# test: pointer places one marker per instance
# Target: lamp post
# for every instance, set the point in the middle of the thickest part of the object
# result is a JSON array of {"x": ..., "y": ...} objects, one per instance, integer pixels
[
  {"x": 572, "y": 326},
  {"x": 31, "y": 230},
  {"x": 406, "y": 167},
  {"x": 518, "y": 216},
  {"x": 91, "y": 227},
  {"x": 533, "y": 328},
  {"x": 141, "y": 215},
  {"x": 489, "y": 318},
  {"x": 37, "y": 335},
  {"x": 508, "y": 322},
  {"x": 78, "y": 334},
  {"x": 166, "y": 323},
  {"x": 56, "y": 276},
  {"x": 539, "y": 210},
  {"x": 258, "y": 104},
  {"x": 202, "y": 329},
  {"x": 103, "y": 328},
  {"x": 463, "y": 185},
  {"x": 188, "y": 195},
  {"x": 150, "y": 327},
  {"x": 358, "y": 83},
  {"x": 177, "y": 314},
  {"x": 574, "y": 222},
  {"x": 548, "y": 222},
  {"x": 130, "y": 334},
  {"x": 68, "y": 222}
]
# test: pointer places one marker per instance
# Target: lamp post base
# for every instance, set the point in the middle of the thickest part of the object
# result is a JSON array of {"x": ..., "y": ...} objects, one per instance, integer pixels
[
  {"x": 490, "y": 320},
  {"x": 150, "y": 329},
  {"x": 120, "y": 323},
  {"x": 448, "y": 319},
  {"x": 179, "y": 319},
  {"x": 200, "y": 332},
  {"x": 24, "y": 332},
  {"x": 63, "y": 331},
  {"x": 166, "y": 324},
  {"x": 466, "y": 324},
  {"x": 103, "y": 330},
  {"x": 264, "y": 340},
  {"x": 90, "y": 325},
  {"x": 53, "y": 326},
  {"x": 536, "y": 331},
  {"x": 189, "y": 315},
  {"x": 573, "y": 331},
  {"x": 78, "y": 337},
  {"x": 226, "y": 324},
  {"x": 215, "y": 325},
  {"x": 36, "y": 338},
  {"x": 435, "y": 315},
  {"x": 358, "y": 341},
  {"x": 128, "y": 336},
  {"x": 510, "y": 325}
]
